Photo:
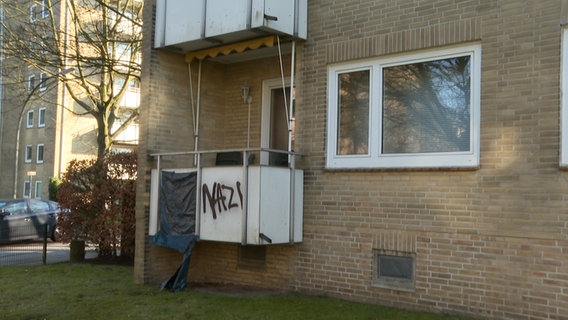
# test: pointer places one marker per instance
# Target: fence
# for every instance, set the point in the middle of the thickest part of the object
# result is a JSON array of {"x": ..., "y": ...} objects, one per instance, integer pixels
[{"x": 23, "y": 245}]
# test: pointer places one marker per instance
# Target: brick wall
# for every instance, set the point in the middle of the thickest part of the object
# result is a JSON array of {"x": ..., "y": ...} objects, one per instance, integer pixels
[{"x": 490, "y": 242}]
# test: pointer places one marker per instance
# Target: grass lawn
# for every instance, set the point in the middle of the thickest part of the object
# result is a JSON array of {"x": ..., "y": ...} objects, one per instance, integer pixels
[{"x": 89, "y": 291}]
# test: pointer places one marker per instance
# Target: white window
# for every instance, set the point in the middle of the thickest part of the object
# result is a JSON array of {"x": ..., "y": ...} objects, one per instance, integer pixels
[
  {"x": 27, "y": 189},
  {"x": 42, "y": 84},
  {"x": 419, "y": 110},
  {"x": 39, "y": 153},
  {"x": 28, "y": 154},
  {"x": 30, "y": 119},
  {"x": 44, "y": 9},
  {"x": 37, "y": 190},
  {"x": 31, "y": 82},
  {"x": 33, "y": 13},
  {"x": 41, "y": 118},
  {"x": 44, "y": 45}
]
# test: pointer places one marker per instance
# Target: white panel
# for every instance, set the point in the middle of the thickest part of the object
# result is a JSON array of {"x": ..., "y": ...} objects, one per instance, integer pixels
[
  {"x": 283, "y": 11},
  {"x": 275, "y": 204},
  {"x": 184, "y": 21},
  {"x": 224, "y": 185},
  {"x": 299, "y": 207},
  {"x": 154, "y": 191},
  {"x": 302, "y": 19},
  {"x": 253, "y": 215},
  {"x": 225, "y": 17}
]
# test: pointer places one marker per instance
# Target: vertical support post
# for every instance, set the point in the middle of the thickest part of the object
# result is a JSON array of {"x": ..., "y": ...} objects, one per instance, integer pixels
[
  {"x": 198, "y": 195},
  {"x": 245, "y": 202},
  {"x": 292, "y": 197},
  {"x": 44, "y": 251}
]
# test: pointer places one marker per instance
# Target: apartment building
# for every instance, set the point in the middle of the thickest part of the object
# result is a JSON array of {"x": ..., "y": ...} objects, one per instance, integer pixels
[
  {"x": 43, "y": 127},
  {"x": 404, "y": 153}
]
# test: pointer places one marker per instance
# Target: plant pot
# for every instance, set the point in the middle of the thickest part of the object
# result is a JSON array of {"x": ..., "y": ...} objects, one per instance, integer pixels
[{"x": 77, "y": 251}]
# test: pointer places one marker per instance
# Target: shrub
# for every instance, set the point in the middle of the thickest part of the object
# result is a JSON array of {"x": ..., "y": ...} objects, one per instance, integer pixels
[
  {"x": 53, "y": 186},
  {"x": 99, "y": 198}
]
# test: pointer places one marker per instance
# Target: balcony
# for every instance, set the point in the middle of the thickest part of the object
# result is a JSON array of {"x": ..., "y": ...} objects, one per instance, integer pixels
[
  {"x": 235, "y": 201},
  {"x": 186, "y": 26}
]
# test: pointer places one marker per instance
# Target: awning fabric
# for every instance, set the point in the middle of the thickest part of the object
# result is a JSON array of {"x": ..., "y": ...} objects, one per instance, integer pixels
[{"x": 231, "y": 48}]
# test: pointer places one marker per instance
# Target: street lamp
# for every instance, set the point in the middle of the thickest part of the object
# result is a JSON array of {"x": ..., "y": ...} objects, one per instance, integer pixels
[{"x": 34, "y": 89}]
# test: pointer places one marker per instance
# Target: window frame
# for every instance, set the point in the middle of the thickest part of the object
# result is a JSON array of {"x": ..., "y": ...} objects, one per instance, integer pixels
[
  {"x": 30, "y": 119},
  {"x": 37, "y": 189},
  {"x": 31, "y": 82},
  {"x": 41, "y": 117},
  {"x": 40, "y": 155},
  {"x": 42, "y": 81},
  {"x": 44, "y": 9},
  {"x": 28, "y": 153},
  {"x": 375, "y": 159},
  {"x": 33, "y": 17},
  {"x": 27, "y": 189}
]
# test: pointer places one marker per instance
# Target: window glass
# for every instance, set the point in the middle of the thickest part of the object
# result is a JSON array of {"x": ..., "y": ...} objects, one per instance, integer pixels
[
  {"x": 27, "y": 189},
  {"x": 17, "y": 208},
  {"x": 30, "y": 119},
  {"x": 37, "y": 193},
  {"x": 426, "y": 106},
  {"x": 41, "y": 118},
  {"x": 39, "y": 153},
  {"x": 42, "y": 84},
  {"x": 353, "y": 100},
  {"x": 38, "y": 205},
  {"x": 31, "y": 82},
  {"x": 28, "y": 154}
]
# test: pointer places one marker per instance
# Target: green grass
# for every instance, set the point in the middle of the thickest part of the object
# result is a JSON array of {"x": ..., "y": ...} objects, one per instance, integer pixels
[{"x": 87, "y": 291}]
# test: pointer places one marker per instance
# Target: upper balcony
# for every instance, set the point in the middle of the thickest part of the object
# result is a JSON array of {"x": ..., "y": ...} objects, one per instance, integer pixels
[{"x": 186, "y": 26}]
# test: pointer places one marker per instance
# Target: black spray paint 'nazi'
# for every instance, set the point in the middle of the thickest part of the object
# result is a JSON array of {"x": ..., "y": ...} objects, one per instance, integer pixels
[{"x": 221, "y": 198}]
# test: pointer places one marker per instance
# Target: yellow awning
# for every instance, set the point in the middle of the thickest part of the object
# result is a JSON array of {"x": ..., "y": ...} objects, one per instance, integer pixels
[{"x": 231, "y": 48}]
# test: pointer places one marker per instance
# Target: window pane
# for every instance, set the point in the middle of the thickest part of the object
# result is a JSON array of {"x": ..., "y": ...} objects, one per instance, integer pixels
[
  {"x": 353, "y": 122},
  {"x": 426, "y": 107},
  {"x": 40, "y": 153},
  {"x": 41, "y": 118},
  {"x": 395, "y": 267}
]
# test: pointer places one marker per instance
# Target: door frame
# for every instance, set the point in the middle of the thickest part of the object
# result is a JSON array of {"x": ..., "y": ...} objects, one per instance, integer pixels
[{"x": 267, "y": 87}]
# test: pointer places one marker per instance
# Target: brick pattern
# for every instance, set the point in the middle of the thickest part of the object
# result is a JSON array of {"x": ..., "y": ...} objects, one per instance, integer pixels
[{"x": 491, "y": 242}]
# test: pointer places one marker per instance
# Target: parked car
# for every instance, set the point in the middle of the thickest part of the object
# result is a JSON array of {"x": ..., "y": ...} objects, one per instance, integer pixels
[{"x": 25, "y": 219}]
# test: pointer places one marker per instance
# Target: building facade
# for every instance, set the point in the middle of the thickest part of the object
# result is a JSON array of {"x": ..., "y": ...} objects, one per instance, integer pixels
[
  {"x": 42, "y": 127},
  {"x": 431, "y": 136}
]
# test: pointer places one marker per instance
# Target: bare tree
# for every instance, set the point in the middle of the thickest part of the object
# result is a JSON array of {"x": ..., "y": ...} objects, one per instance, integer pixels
[{"x": 100, "y": 40}]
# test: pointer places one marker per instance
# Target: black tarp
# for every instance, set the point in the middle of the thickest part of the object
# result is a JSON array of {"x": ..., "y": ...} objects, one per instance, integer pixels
[{"x": 176, "y": 211}]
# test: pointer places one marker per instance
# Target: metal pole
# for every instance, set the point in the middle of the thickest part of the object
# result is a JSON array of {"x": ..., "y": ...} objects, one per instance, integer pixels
[{"x": 44, "y": 251}]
